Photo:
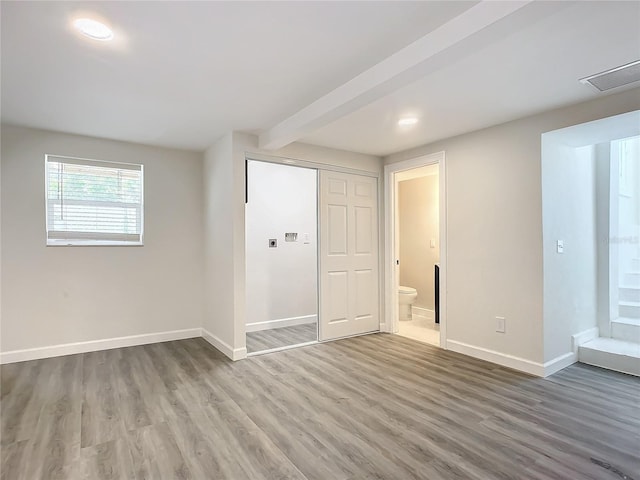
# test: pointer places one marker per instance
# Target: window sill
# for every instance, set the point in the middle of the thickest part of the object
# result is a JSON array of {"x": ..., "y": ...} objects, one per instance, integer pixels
[{"x": 92, "y": 243}]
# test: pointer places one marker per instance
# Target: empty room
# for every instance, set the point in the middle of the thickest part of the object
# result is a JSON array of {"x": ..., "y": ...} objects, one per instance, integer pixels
[{"x": 320, "y": 240}]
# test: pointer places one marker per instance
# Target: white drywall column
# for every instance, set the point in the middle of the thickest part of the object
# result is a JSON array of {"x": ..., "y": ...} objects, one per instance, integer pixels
[
  {"x": 223, "y": 206},
  {"x": 569, "y": 215},
  {"x": 602, "y": 154}
]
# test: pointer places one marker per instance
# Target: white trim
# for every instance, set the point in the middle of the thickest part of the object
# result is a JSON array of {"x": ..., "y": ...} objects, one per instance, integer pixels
[
  {"x": 228, "y": 350},
  {"x": 558, "y": 363},
  {"x": 281, "y": 322},
  {"x": 423, "y": 312},
  {"x": 510, "y": 361},
  {"x": 582, "y": 338},
  {"x": 280, "y": 349},
  {"x": 391, "y": 322},
  {"x": 96, "y": 345},
  {"x": 296, "y": 162}
]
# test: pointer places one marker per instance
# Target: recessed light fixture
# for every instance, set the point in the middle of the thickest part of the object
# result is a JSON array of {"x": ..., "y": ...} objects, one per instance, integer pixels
[
  {"x": 93, "y": 29},
  {"x": 403, "y": 122}
]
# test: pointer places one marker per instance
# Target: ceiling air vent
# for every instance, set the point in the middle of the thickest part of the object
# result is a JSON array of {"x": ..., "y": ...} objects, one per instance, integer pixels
[{"x": 614, "y": 78}]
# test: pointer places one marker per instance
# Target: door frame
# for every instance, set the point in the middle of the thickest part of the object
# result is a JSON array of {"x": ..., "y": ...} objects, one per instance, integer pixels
[
  {"x": 391, "y": 271},
  {"x": 297, "y": 162}
]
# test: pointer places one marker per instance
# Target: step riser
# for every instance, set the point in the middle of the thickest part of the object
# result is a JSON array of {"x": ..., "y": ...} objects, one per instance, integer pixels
[
  {"x": 629, "y": 294},
  {"x": 611, "y": 361},
  {"x": 629, "y": 311},
  {"x": 626, "y": 332}
]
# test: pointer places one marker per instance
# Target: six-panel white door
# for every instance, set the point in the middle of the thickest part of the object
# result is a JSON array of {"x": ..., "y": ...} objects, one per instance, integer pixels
[{"x": 348, "y": 255}]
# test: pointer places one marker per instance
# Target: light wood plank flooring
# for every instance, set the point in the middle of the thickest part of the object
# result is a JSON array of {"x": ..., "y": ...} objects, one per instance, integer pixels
[
  {"x": 281, "y": 337},
  {"x": 372, "y": 407}
]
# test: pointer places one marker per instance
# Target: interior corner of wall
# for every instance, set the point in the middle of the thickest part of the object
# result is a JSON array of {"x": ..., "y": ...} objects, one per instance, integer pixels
[{"x": 242, "y": 141}]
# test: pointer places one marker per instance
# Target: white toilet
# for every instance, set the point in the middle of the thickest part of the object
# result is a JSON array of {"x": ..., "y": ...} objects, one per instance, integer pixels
[{"x": 406, "y": 296}]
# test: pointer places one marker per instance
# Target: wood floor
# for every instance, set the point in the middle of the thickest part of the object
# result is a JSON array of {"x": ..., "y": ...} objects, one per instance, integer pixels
[
  {"x": 372, "y": 407},
  {"x": 281, "y": 337}
]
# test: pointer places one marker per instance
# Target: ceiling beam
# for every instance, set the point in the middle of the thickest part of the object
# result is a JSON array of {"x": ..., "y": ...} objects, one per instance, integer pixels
[{"x": 397, "y": 70}]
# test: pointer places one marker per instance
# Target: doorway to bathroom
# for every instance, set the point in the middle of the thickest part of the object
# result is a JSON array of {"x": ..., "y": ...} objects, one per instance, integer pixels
[
  {"x": 416, "y": 249},
  {"x": 281, "y": 222}
]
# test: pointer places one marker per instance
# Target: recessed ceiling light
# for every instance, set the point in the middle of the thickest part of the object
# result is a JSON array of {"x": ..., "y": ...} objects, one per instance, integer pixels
[
  {"x": 93, "y": 29},
  {"x": 403, "y": 122}
]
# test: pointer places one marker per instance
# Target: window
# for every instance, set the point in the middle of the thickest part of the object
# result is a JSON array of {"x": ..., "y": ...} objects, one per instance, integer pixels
[{"x": 91, "y": 202}]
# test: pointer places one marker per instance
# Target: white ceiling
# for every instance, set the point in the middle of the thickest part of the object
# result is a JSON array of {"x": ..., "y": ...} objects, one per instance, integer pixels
[
  {"x": 181, "y": 74},
  {"x": 529, "y": 70}
]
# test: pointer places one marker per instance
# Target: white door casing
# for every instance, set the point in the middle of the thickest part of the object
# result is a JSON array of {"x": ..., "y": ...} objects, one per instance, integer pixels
[{"x": 349, "y": 280}]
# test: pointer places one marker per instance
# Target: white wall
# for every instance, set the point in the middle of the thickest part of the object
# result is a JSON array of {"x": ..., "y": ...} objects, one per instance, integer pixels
[
  {"x": 419, "y": 224},
  {"x": 218, "y": 242},
  {"x": 281, "y": 282},
  {"x": 494, "y": 229},
  {"x": 569, "y": 214},
  {"x": 579, "y": 173},
  {"x": 58, "y": 295}
]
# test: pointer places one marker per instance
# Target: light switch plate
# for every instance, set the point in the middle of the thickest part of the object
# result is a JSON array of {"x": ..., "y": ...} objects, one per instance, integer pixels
[
  {"x": 560, "y": 246},
  {"x": 500, "y": 324},
  {"x": 432, "y": 243}
]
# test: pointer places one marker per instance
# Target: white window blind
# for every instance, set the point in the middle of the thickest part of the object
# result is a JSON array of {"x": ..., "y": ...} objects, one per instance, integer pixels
[{"x": 93, "y": 202}]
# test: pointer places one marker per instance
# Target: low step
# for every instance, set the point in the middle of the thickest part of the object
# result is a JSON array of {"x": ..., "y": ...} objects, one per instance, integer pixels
[
  {"x": 626, "y": 329},
  {"x": 629, "y": 309},
  {"x": 612, "y": 354},
  {"x": 628, "y": 293}
]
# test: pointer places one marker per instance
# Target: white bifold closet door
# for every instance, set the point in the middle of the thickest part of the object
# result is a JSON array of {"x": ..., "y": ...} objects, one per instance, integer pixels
[{"x": 348, "y": 255}]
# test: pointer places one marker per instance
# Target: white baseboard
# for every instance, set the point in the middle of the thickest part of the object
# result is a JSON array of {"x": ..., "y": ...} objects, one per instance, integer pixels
[
  {"x": 510, "y": 361},
  {"x": 558, "y": 363},
  {"x": 96, "y": 345},
  {"x": 422, "y": 312},
  {"x": 228, "y": 350},
  {"x": 582, "y": 338},
  {"x": 281, "y": 322}
]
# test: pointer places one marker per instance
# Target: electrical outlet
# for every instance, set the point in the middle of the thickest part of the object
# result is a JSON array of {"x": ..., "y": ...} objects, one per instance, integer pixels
[{"x": 500, "y": 324}]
